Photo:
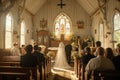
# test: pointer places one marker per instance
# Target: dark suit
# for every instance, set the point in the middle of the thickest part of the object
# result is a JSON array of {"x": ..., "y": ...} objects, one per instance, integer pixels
[
  {"x": 68, "y": 49},
  {"x": 40, "y": 61},
  {"x": 28, "y": 60},
  {"x": 116, "y": 61},
  {"x": 85, "y": 58}
]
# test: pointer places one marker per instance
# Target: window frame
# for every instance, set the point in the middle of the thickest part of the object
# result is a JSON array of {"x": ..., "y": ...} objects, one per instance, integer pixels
[
  {"x": 11, "y": 31},
  {"x": 70, "y": 25}
]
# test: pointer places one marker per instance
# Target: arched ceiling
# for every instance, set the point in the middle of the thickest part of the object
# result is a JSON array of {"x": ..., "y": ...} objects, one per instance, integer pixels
[{"x": 90, "y": 6}]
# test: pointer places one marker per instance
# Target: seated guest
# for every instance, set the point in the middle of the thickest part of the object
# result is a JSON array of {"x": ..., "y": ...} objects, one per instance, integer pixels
[
  {"x": 116, "y": 59},
  {"x": 40, "y": 59},
  {"x": 15, "y": 51},
  {"x": 99, "y": 63},
  {"x": 97, "y": 44},
  {"x": 22, "y": 50},
  {"x": 28, "y": 60},
  {"x": 84, "y": 44},
  {"x": 109, "y": 53},
  {"x": 85, "y": 58}
]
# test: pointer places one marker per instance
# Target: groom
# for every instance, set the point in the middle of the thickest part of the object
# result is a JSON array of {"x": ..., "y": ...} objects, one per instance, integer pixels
[{"x": 68, "y": 49}]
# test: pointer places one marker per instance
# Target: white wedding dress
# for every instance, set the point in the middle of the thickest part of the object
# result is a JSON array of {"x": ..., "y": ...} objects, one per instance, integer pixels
[{"x": 60, "y": 59}]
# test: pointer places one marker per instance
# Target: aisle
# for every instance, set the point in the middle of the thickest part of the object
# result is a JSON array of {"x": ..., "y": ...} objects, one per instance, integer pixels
[{"x": 62, "y": 74}]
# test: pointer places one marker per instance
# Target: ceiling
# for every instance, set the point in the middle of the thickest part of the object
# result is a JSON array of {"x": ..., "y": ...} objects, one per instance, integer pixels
[{"x": 90, "y": 6}]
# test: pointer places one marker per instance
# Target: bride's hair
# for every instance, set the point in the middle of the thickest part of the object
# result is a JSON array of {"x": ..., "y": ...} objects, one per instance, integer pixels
[{"x": 61, "y": 44}]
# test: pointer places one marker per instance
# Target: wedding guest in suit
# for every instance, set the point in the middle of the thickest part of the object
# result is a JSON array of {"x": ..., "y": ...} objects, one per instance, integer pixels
[
  {"x": 116, "y": 59},
  {"x": 22, "y": 49},
  {"x": 40, "y": 60},
  {"x": 68, "y": 49},
  {"x": 97, "y": 44},
  {"x": 28, "y": 60},
  {"x": 85, "y": 58},
  {"x": 109, "y": 53},
  {"x": 84, "y": 44},
  {"x": 99, "y": 63}
]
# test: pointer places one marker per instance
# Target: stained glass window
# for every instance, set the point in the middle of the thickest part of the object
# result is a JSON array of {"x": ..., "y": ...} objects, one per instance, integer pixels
[{"x": 62, "y": 26}]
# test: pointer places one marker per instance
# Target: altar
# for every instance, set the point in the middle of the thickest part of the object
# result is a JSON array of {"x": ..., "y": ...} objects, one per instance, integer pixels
[{"x": 55, "y": 43}]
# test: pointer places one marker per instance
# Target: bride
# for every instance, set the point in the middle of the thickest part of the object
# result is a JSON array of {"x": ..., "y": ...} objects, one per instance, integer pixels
[{"x": 60, "y": 59}]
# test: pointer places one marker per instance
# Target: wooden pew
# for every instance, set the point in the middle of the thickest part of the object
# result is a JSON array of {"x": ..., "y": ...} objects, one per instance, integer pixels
[
  {"x": 105, "y": 75},
  {"x": 5, "y": 52},
  {"x": 47, "y": 67},
  {"x": 9, "y": 60},
  {"x": 19, "y": 71},
  {"x": 14, "y": 76}
]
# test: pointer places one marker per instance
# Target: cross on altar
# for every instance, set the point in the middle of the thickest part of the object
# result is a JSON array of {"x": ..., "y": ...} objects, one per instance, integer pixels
[{"x": 61, "y": 4}]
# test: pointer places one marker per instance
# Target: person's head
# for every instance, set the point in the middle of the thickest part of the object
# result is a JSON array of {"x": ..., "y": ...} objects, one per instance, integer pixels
[
  {"x": 87, "y": 50},
  {"x": 36, "y": 47},
  {"x": 23, "y": 46},
  {"x": 14, "y": 44},
  {"x": 61, "y": 45},
  {"x": 100, "y": 51},
  {"x": 98, "y": 44},
  {"x": 109, "y": 53},
  {"x": 29, "y": 48},
  {"x": 39, "y": 48},
  {"x": 118, "y": 48}
]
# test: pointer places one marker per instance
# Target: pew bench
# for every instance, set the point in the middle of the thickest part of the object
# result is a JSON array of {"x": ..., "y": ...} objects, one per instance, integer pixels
[
  {"x": 9, "y": 60},
  {"x": 14, "y": 76},
  {"x": 18, "y": 71},
  {"x": 105, "y": 75},
  {"x": 5, "y": 52}
]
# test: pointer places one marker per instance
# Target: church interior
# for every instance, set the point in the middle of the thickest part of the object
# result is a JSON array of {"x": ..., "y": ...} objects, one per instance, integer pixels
[{"x": 49, "y": 22}]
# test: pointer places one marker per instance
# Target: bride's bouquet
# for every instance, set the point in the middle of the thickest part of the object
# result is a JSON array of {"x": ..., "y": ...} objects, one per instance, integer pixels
[{"x": 51, "y": 54}]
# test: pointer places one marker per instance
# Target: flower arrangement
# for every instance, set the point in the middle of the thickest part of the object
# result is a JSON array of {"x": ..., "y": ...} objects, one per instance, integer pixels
[
  {"x": 75, "y": 54},
  {"x": 51, "y": 54},
  {"x": 53, "y": 36}
]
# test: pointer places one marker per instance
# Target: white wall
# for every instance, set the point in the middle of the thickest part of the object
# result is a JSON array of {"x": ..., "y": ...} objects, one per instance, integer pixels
[
  {"x": 16, "y": 27},
  {"x": 50, "y": 10},
  {"x": 112, "y": 4}
]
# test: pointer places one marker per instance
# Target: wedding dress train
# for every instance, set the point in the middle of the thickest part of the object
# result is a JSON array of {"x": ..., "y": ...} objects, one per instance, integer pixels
[{"x": 60, "y": 59}]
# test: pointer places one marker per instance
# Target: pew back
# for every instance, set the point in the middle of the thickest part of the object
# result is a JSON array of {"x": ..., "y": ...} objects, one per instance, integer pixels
[
  {"x": 9, "y": 60},
  {"x": 106, "y": 75},
  {"x": 5, "y": 52},
  {"x": 19, "y": 70}
]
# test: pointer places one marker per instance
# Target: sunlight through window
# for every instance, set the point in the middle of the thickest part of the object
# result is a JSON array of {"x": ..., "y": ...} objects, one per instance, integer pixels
[{"x": 8, "y": 31}]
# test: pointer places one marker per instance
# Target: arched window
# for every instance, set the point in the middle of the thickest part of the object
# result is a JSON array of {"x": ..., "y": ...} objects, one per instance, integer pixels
[
  {"x": 62, "y": 26},
  {"x": 101, "y": 32},
  {"x": 22, "y": 33},
  {"x": 116, "y": 36},
  {"x": 8, "y": 31}
]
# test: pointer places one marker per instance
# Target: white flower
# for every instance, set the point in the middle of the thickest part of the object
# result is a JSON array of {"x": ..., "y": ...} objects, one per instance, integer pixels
[
  {"x": 75, "y": 54},
  {"x": 51, "y": 54}
]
